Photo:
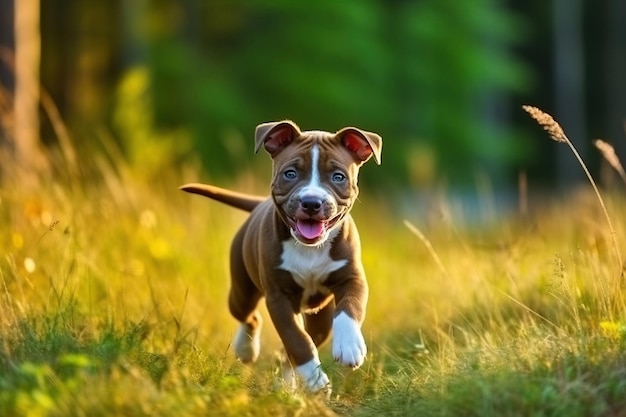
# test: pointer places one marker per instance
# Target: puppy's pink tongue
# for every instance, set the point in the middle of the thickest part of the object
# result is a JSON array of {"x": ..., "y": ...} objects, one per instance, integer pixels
[{"x": 310, "y": 229}]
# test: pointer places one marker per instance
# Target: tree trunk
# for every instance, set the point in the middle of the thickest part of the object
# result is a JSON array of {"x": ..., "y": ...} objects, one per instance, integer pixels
[
  {"x": 28, "y": 153},
  {"x": 6, "y": 73},
  {"x": 615, "y": 81},
  {"x": 569, "y": 82}
]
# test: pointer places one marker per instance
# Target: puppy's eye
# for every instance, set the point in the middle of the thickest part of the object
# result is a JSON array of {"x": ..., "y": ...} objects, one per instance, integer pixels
[
  {"x": 338, "y": 177},
  {"x": 290, "y": 174}
]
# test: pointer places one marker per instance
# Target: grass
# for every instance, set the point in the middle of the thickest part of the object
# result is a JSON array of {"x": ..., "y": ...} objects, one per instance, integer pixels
[{"x": 113, "y": 289}]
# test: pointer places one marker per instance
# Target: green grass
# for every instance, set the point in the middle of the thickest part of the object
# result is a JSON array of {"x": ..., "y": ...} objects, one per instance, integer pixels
[{"x": 112, "y": 302}]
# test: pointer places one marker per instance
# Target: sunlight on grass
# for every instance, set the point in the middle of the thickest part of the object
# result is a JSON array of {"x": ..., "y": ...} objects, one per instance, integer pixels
[{"x": 113, "y": 302}]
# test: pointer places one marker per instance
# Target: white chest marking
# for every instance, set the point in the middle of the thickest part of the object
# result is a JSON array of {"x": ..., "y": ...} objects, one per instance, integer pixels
[{"x": 309, "y": 266}]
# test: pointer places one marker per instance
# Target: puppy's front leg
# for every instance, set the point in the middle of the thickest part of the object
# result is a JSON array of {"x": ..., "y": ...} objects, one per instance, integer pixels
[
  {"x": 349, "y": 347},
  {"x": 299, "y": 346}
]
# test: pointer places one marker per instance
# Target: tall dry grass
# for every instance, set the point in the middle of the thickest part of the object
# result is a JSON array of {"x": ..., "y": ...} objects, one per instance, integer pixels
[
  {"x": 556, "y": 133},
  {"x": 608, "y": 152}
]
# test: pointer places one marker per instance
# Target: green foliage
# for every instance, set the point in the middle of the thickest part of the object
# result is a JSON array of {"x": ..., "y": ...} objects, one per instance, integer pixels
[
  {"x": 429, "y": 76},
  {"x": 144, "y": 144},
  {"x": 456, "y": 65}
]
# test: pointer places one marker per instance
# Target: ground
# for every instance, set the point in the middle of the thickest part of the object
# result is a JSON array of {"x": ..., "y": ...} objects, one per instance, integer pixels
[{"x": 114, "y": 303}]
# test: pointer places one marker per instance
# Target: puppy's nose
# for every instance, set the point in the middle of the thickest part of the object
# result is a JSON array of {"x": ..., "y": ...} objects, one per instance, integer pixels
[{"x": 311, "y": 205}]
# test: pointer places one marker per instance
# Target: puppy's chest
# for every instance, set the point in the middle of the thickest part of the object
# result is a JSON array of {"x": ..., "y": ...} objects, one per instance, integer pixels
[{"x": 309, "y": 267}]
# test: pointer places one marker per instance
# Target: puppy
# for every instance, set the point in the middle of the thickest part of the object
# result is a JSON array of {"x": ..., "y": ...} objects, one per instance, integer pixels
[{"x": 300, "y": 249}]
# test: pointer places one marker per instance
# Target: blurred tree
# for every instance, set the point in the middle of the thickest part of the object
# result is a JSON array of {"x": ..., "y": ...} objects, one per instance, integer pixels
[
  {"x": 569, "y": 83},
  {"x": 614, "y": 80},
  {"x": 324, "y": 66},
  {"x": 82, "y": 58},
  {"x": 454, "y": 73},
  {"x": 6, "y": 72},
  {"x": 26, "y": 96},
  {"x": 6, "y": 43},
  {"x": 430, "y": 76},
  {"x": 438, "y": 79}
]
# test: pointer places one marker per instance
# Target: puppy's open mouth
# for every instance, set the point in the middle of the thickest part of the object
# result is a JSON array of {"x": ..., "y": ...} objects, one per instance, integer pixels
[{"x": 311, "y": 231}]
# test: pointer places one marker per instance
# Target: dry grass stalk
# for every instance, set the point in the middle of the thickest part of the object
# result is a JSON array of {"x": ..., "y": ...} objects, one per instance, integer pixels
[
  {"x": 608, "y": 152},
  {"x": 428, "y": 245},
  {"x": 547, "y": 122},
  {"x": 556, "y": 133}
]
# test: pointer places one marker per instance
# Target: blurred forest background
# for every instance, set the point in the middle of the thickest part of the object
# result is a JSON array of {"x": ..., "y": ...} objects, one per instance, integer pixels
[{"x": 441, "y": 80}]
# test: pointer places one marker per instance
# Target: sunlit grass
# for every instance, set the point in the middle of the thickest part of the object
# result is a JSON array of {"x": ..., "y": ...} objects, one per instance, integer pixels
[{"x": 113, "y": 302}]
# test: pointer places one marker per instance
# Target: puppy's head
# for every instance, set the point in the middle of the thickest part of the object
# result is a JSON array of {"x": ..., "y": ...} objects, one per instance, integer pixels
[{"x": 315, "y": 174}]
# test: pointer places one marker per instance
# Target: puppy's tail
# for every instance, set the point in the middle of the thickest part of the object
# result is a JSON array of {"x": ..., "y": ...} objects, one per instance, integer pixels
[{"x": 241, "y": 201}]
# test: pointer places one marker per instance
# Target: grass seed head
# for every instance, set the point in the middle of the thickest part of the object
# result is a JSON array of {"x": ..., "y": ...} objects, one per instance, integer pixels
[
  {"x": 608, "y": 152},
  {"x": 547, "y": 122}
]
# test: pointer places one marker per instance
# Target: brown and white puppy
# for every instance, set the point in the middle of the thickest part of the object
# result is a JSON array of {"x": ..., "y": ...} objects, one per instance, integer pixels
[{"x": 300, "y": 248}]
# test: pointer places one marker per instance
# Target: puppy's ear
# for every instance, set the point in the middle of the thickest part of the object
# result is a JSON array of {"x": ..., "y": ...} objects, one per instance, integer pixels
[
  {"x": 361, "y": 143},
  {"x": 275, "y": 136}
]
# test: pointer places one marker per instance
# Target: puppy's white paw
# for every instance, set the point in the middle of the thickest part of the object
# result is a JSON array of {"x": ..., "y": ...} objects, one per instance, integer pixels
[
  {"x": 247, "y": 343},
  {"x": 348, "y": 344},
  {"x": 314, "y": 378}
]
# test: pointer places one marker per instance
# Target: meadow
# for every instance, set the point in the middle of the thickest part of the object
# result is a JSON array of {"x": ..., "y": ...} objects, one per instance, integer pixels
[{"x": 113, "y": 302}]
